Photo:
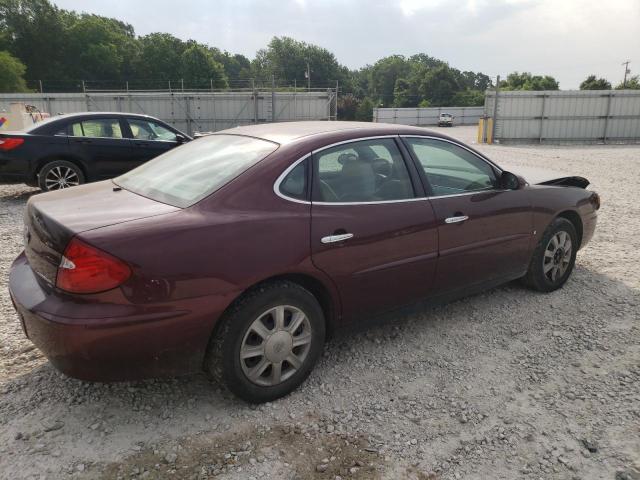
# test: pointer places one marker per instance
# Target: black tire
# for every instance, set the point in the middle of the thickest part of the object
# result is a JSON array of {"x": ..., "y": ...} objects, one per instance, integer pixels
[
  {"x": 536, "y": 277},
  {"x": 223, "y": 362},
  {"x": 50, "y": 171}
]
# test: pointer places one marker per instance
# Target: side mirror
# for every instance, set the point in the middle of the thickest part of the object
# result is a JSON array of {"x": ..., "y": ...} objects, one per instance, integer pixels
[
  {"x": 181, "y": 138},
  {"x": 510, "y": 181}
]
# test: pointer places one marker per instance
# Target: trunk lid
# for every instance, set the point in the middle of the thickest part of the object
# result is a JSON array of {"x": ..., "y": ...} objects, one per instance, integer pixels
[{"x": 53, "y": 218}]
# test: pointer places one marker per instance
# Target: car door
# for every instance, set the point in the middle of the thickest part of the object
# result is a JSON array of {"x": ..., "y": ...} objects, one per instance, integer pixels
[
  {"x": 484, "y": 231},
  {"x": 372, "y": 230},
  {"x": 102, "y": 144},
  {"x": 150, "y": 139}
]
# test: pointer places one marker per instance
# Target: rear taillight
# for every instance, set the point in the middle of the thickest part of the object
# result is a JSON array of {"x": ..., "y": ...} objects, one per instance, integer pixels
[
  {"x": 595, "y": 200},
  {"x": 9, "y": 143},
  {"x": 86, "y": 269}
]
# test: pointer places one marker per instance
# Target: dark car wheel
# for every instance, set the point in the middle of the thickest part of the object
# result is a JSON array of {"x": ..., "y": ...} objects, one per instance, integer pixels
[
  {"x": 554, "y": 257},
  {"x": 59, "y": 174},
  {"x": 268, "y": 343}
]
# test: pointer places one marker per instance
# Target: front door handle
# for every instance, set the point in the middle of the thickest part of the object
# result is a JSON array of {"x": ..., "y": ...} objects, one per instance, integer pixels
[
  {"x": 336, "y": 238},
  {"x": 458, "y": 219}
]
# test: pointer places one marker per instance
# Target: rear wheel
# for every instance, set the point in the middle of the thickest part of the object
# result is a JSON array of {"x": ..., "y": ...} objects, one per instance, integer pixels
[
  {"x": 554, "y": 257},
  {"x": 59, "y": 174},
  {"x": 268, "y": 343}
]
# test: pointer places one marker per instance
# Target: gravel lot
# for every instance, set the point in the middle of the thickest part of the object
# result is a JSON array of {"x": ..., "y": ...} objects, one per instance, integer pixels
[{"x": 507, "y": 384}]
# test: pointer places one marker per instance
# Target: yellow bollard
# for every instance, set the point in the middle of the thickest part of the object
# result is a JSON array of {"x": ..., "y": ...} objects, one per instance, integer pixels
[{"x": 480, "y": 137}]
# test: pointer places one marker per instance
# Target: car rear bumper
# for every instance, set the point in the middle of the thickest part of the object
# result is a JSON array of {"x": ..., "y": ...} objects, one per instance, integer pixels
[{"x": 138, "y": 345}]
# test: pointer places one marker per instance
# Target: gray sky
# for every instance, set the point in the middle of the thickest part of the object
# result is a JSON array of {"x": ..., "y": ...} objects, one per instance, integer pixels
[{"x": 568, "y": 39}]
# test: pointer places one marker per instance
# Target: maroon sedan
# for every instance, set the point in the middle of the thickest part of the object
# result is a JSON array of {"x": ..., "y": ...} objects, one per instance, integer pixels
[{"x": 239, "y": 252}]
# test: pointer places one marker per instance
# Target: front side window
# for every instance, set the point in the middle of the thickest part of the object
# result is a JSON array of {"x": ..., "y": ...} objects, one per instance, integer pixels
[
  {"x": 187, "y": 174},
  {"x": 147, "y": 130},
  {"x": 97, "y": 128},
  {"x": 363, "y": 171},
  {"x": 451, "y": 169}
]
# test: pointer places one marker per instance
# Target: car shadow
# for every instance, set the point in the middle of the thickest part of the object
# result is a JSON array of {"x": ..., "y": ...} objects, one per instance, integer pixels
[{"x": 157, "y": 409}]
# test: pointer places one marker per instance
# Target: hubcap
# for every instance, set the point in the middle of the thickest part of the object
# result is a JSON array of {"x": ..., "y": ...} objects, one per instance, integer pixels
[
  {"x": 557, "y": 256},
  {"x": 275, "y": 345},
  {"x": 61, "y": 177}
]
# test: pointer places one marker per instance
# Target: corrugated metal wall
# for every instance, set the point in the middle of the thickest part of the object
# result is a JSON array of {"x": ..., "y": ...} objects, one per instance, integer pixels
[
  {"x": 587, "y": 116},
  {"x": 427, "y": 116},
  {"x": 191, "y": 112}
]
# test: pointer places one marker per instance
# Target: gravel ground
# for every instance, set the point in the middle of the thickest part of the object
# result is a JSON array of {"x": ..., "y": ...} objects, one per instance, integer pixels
[{"x": 507, "y": 384}]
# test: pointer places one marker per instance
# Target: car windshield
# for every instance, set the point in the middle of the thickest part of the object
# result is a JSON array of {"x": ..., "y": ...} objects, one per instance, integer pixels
[{"x": 187, "y": 174}]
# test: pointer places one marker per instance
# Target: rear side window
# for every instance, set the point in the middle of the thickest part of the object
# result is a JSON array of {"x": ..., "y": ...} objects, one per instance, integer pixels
[
  {"x": 98, "y": 128},
  {"x": 294, "y": 185},
  {"x": 187, "y": 174}
]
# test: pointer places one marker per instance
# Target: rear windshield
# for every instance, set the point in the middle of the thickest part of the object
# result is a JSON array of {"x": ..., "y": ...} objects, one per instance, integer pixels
[{"x": 187, "y": 174}]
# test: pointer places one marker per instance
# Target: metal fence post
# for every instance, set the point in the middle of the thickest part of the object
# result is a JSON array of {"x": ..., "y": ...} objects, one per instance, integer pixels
[
  {"x": 273, "y": 98},
  {"x": 186, "y": 109},
  {"x": 606, "y": 119},
  {"x": 336, "y": 110},
  {"x": 495, "y": 110},
  {"x": 255, "y": 101},
  {"x": 544, "y": 99}
]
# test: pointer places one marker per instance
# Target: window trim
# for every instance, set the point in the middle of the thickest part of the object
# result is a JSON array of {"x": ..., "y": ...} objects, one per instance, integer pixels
[
  {"x": 420, "y": 172},
  {"x": 283, "y": 175}
]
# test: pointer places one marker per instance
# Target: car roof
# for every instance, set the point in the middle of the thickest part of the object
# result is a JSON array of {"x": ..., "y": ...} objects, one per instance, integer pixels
[
  {"x": 46, "y": 123},
  {"x": 288, "y": 132},
  {"x": 100, "y": 114}
]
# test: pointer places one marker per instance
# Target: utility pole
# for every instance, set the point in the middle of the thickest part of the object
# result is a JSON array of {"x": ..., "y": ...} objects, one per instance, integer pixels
[
  {"x": 308, "y": 75},
  {"x": 626, "y": 71}
]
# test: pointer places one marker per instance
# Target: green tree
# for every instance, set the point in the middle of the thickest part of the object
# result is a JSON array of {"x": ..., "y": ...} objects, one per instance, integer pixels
[
  {"x": 403, "y": 94},
  {"x": 100, "y": 48},
  {"x": 237, "y": 67},
  {"x": 347, "y": 107},
  {"x": 199, "y": 67},
  {"x": 11, "y": 74},
  {"x": 594, "y": 83},
  {"x": 36, "y": 30},
  {"x": 383, "y": 76},
  {"x": 439, "y": 86},
  {"x": 633, "y": 83},
  {"x": 159, "y": 57},
  {"x": 286, "y": 59},
  {"x": 365, "y": 110},
  {"x": 468, "y": 98},
  {"x": 526, "y": 81}
]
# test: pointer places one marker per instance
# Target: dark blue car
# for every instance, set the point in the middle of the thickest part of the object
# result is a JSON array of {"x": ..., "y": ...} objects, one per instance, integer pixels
[{"x": 72, "y": 149}]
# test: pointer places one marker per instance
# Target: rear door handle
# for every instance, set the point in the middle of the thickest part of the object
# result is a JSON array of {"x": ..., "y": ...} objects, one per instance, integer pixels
[
  {"x": 458, "y": 219},
  {"x": 336, "y": 238}
]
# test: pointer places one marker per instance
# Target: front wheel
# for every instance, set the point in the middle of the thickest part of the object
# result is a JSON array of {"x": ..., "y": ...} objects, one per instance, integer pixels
[
  {"x": 59, "y": 174},
  {"x": 554, "y": 257},
  {"x": 268, "y": 343}
]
